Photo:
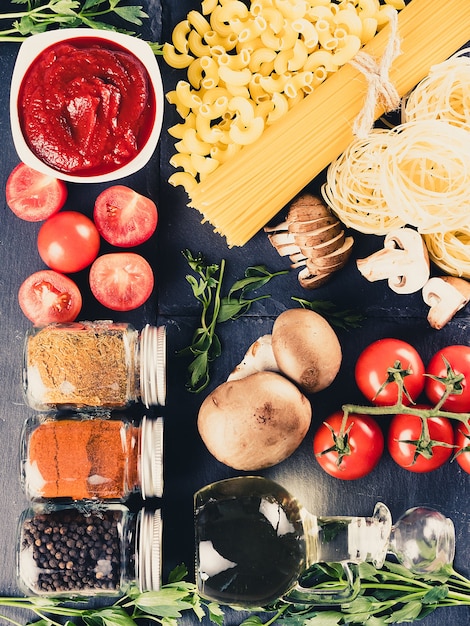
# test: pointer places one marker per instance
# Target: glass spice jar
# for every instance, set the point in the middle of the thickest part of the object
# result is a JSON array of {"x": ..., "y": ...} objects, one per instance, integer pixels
[
  {"x": 101, "y": 364},
  {"x": 83, "y": 457},
  {"x": 70, "y": 551}
]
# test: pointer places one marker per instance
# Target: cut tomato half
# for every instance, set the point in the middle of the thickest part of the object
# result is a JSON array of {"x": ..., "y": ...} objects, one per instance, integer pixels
[
  {"x": 47, "y": 296},
  {"x": 121, "y": 281},
  {"x": 123, "y": 217},
  {"x": 34, "y": 196}
]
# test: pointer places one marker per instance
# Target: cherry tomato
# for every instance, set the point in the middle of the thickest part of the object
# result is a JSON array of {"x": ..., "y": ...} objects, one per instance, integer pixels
[
  {"x": 402, "y": 441},
  {"x": 124, "y": 217},
  {"x": 33, "y": 196},
  {"x": 462, "y": 450},
  {"x": 47, "y": 296},
  {"x": 365, "y": 441},
  {"x": 121, "y": 281},
  {"x": 371, "y": 371},
  {"x": 68, "y": 242},
  {"x": 458, "y": 358}
]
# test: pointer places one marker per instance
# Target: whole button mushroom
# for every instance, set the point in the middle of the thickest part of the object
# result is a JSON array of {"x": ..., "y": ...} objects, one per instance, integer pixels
[
  {"x": 254, "y": 422},
  {"x": 306, "y": 349}
]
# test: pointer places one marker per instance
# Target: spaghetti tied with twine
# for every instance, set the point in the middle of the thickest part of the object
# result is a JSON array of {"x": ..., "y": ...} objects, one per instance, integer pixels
[{"x": 380, "y": 89}]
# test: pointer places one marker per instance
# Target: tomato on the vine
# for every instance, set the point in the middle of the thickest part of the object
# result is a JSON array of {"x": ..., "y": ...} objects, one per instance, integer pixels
[
  {"x": 124, "y": 217},
  {"x": 47, "y": 296},
  {"x": 373, "y": 370},
  {"x": 68, "y": 242},
  {"x": 121, "y": 281},
  {"x": 410, "y": 449},
  {"x": 458, "y": 358},
  {"x": 462, "y": 443},
  {"x": 352, "y": 453},
  {"x": 33, "y": 196}
]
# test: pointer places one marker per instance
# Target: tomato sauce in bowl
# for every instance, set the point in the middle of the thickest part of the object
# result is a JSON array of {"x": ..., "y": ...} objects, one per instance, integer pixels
[{"x": 87, "y": 107}]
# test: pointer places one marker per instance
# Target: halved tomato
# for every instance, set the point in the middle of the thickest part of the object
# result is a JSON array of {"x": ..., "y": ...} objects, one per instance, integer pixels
[
  {"x": 33, "y": 196},
  {"x": 123, "y": 217},
  {"x": 47, "y": 296},
  {"x": 121, "y": 281}
]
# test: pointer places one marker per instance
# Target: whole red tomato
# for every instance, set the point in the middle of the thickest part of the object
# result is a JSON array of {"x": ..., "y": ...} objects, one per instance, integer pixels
[
  {"x": 408, "y": 448},
  {"x": 462, "y": 442},
  {"x": 458, "y": 358},
  {"x": 68, "y": 242},
  {"x": 372, "y": 371},
  {"x": 358, "y": 453}
]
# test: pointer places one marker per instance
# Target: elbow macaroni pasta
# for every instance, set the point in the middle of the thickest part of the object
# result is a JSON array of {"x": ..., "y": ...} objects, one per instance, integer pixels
[{"x": 248, "y": 65}]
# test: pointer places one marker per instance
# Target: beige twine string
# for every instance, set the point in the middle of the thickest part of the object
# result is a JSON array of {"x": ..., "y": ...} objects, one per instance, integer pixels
[{"x": 380, "y": 89}]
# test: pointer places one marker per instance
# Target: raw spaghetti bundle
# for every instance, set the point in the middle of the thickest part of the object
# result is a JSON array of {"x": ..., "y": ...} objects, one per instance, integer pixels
[
  {"x": 420, "y": 176},
  {"x": 444, "y": 94}
]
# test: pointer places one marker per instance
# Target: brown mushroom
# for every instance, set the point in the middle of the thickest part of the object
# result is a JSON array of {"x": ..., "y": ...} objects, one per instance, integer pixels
[
  {"x": 254, "y": 422},
  {"x": 306, "y": 349}
]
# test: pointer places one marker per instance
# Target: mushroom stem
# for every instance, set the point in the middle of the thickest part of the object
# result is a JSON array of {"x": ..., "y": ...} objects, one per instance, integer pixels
[
  {"x": 258, "y": 358},
  {"x": 403, "y": 261},
  {"x": 445, "y": 295}
]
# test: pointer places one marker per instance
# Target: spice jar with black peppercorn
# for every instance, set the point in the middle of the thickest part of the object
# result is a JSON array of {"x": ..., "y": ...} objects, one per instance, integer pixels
[
  {"x": 89, "y": 365},
  {"x": 83, "y": 456},
  {"x": 72, "y": 551}
]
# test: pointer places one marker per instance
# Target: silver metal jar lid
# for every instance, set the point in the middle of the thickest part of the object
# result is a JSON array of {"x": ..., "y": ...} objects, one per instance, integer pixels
[
  {"x": 149, "y": 550},
  {"x": 151, "y": 457},
  {"x": 153, "y": 365}
]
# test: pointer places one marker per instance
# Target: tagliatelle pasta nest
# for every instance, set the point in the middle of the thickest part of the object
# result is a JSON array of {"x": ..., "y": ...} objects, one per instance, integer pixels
[
  {"x": 418, "y": 174},
  {"x": 444, "y": 94},
  {"x": 450, "y": 251},
  {"x": 248, "y": 65}
]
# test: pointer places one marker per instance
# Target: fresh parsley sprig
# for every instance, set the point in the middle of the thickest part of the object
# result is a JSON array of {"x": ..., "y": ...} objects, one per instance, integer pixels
[
  {"x": 206, "y": 286},
  {"x": 390, "y": 595},
  {"x": 37, "y": 17}
]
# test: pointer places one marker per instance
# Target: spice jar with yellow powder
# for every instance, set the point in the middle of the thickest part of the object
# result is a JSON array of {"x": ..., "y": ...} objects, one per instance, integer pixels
[
  {"x": 87, "y": 365},
  {"x": 83, "y": 457}
]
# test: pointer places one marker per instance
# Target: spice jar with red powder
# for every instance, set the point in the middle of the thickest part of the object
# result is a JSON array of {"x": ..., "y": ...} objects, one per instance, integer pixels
[
  {"x": 74, "y": 550},
  {"x": 82, "y": 457},
  {"x": 89, "y": 365}
]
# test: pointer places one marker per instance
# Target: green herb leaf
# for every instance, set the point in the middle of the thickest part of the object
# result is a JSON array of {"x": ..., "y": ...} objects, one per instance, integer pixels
[
  {"x": 134, "y": 14},
  {"x": 408, "y": 613},
  {"x": 110, "y": 616},
  {"x": 168, "y": 602},
  {"x": 345, "y": 319},
  {"x": 435, "y": 595}
]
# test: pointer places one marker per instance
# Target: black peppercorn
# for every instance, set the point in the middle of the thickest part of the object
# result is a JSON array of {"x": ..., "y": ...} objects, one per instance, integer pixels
[{"x": 69, "y": 550}]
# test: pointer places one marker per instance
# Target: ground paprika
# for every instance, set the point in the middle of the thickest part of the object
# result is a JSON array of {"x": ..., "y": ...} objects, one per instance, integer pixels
[{"x": 85, "y": 457}]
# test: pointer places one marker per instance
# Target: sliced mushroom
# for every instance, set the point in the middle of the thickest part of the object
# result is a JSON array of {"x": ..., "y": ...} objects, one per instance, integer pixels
[
  {"x": 314, "y": 240},
  {"x": 445, "y": 295},
  {"x": 403, "y": 261}
]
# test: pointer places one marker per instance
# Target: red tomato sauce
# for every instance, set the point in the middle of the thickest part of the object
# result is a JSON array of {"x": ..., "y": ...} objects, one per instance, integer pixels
[{"x": 86, "y": 106}]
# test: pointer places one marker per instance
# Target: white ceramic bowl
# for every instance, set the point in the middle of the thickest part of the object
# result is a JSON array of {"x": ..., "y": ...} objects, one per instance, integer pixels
[{"x": 28, "y": 52}]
